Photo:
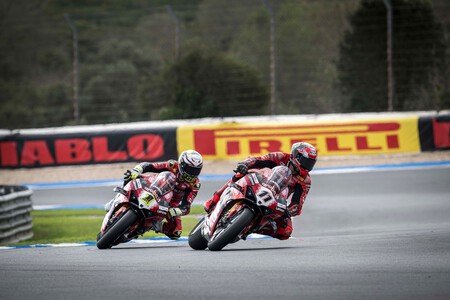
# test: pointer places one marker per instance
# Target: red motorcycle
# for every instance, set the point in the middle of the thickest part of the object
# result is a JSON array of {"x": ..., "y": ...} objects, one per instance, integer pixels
[
  {"x": 131, "y": 216},
  {"x": 247, "y": 206}
]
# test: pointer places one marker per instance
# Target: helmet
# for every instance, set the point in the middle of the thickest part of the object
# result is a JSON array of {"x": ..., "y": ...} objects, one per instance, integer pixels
[
  {"x": 190, "y": 165},
  {"x": 303, "y": 155},
  {"x": 280, "y": 178}
]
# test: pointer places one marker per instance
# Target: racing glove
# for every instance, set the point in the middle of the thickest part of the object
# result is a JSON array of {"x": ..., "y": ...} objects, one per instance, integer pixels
[
  {"x": 133, "y": 174},
  {"x": 242, "y": 168},
  {"x": 175, "y": 212},
  {"x": 294, "y": 209}
]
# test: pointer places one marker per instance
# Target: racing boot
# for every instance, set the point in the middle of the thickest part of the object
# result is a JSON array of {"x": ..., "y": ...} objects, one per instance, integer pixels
[
  {"x": 172, "y": 228},
  {"x": 284, "y": 229},
  {"x": 211, "y": 203},
  {"x": 269, "y": 229}
]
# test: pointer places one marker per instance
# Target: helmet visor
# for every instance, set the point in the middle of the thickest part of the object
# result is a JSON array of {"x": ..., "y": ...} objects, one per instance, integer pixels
[
  {"x": 190, "y": 173},
  {"x": 306, "y": 162}
]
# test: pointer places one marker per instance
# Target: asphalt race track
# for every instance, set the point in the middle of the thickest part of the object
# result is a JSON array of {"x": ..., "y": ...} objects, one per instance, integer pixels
[{"x": 373, "y": 235}]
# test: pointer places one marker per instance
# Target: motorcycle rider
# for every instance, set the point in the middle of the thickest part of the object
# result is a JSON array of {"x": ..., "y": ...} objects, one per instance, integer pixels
[
  {"x": 186, "y": 169},
  {"x": 300, "y": 160}
]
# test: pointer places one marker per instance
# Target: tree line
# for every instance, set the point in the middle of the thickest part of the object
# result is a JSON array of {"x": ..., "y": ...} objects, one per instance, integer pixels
[{"x": 141, "y": 61}]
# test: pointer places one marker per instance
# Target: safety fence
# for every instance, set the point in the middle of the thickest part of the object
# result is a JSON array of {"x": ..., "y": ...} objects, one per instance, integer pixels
[
  {"x": 15, "y": 214},
  {"x": 215, "y": 139}
]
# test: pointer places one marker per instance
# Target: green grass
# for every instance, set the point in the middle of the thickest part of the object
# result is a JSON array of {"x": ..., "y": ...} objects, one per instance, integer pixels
[{"x": 74, "y": 226}]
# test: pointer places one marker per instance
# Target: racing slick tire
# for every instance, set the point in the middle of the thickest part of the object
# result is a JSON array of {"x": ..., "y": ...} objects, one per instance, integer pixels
[
  {"x": 195, "y": 239},
  {"x": 231, "y": 231},
  {"x": 116, "y": 230}
]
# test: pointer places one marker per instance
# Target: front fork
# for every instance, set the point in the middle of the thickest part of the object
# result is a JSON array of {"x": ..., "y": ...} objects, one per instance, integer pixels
[{"x": 112, "y": 214}]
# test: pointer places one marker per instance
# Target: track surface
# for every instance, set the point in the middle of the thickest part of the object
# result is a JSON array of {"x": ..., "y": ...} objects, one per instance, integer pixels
[{"x": 376, "y": 235}]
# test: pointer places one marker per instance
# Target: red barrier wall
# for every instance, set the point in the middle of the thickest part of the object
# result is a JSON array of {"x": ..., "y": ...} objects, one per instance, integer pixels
[{"x": 43, "y": 150}]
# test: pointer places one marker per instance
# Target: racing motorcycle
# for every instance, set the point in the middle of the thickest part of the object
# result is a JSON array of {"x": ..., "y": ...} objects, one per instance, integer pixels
[
  {"x": 247, "y": 206},
  {"x": 131, "y": 216}
]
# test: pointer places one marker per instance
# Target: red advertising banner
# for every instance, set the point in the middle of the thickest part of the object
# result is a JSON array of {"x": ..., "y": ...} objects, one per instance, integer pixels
[{"x": 38, "y": 150}]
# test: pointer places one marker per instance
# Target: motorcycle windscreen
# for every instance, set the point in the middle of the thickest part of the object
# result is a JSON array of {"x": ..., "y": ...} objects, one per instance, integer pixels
[
  {"x": 280, "y": 178},
  {"x": 164, "y": 183}
]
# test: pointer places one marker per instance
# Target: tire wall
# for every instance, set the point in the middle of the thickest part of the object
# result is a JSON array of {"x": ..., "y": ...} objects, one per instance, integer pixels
[{"x": 15, "y": 214}]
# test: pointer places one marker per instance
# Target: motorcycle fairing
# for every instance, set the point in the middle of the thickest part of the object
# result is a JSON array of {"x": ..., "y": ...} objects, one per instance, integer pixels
[
  {"x": 232, "y": 198},
  {"x": 162, "y": 184}
]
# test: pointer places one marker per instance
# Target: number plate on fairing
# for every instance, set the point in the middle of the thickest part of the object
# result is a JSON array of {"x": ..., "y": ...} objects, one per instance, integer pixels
[
  {"x": 264, "y": 196},
  {"x": 148, "y": 202}
]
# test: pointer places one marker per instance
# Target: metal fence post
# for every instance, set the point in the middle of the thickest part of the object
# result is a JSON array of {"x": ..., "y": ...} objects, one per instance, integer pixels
[
  {"x": 272, "y": 59},
  {"x": 76, "y": 109},
  {"x": 388, "y": 5}
]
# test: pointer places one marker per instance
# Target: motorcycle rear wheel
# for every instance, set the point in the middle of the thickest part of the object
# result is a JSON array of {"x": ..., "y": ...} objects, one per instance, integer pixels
[
  {"x": 231, "y": 232},
  {"x": 196, "y": 240},
  {"x": 117, "y": 230}
]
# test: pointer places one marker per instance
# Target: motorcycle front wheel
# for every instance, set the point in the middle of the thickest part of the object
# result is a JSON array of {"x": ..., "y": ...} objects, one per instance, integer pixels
[
  {"x": 196, "y": 240},
  {"x": 117, "y": 230},
  {"x": 230, "y": 232}
]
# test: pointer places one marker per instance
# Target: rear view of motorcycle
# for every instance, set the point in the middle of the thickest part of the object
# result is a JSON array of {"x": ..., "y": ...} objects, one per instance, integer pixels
[
  {"x": 248, "y": 206},
  {"x": 131, "y": 215}
]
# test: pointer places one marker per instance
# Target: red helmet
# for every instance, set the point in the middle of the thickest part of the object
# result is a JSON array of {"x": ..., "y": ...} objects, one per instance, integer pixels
[
  {"x": 303, "y": 155},
  {"x": 190, "y": 165}
]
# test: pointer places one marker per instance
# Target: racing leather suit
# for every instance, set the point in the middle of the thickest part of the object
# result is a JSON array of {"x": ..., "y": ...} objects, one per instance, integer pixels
[
  {"x": 298, "y": 189},
  {"x": 184, "y": 194}
]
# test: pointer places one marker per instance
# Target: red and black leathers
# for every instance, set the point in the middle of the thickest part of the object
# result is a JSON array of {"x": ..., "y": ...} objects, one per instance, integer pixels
[
  {"x": 299, "y": 188},
  {"x": 301, "y": 182},
  {"x": 184, "y": 194}
]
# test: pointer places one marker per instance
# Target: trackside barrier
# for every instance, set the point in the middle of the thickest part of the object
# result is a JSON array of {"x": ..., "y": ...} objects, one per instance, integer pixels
[
  {"x": 15, "y": 214},
  {"x": 223, "y": 139}
]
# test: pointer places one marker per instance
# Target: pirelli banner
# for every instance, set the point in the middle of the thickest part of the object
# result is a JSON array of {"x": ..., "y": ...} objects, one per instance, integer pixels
[
  {"x": 44, "y": 148},
  {"x": 342, "y": 137}
]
